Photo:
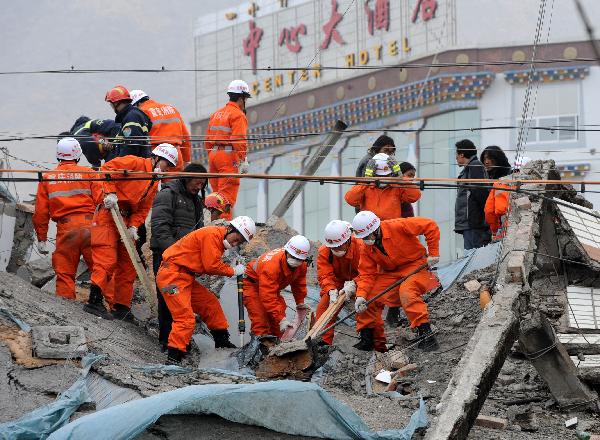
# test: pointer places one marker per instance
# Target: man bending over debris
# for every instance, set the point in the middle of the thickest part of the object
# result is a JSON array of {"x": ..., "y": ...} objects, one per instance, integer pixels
[
  {"x": 196, "y": 254},
  {"x": 70, "y": 204},
  {"x": 134, "y": 199},
  {"x": 266, "y": 276},
  {"x": 337, "y": 267},
  {"x": 392, "y": 251}
]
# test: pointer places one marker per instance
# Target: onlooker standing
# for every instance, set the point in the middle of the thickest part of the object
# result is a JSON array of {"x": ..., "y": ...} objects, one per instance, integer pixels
[
  {"x": 469, "y": 220},
  {"x": 176, "y": 211},
  {"x": 408, "y": 172},
  {"x": 496, "y": 207},
  {"x": 383, "y": 144}
]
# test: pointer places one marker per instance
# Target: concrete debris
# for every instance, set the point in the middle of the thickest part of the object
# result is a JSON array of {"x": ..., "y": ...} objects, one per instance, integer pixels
[
  {"x": 472, "y": 286},
  {"x": 37, "y": 272},
  {"x": 523, "y": 203},
  {"x": 58, "y": 342},
  {"x": 23, "y": 237},
  {"x": 571, "y": 423},
  {"x": 491, "y": 422}
]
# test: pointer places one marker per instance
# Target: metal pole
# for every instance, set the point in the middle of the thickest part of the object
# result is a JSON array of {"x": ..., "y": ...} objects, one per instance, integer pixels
[{"x": 310, "y": 168}]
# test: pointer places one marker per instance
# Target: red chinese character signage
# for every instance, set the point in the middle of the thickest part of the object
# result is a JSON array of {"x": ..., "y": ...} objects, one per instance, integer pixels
[
  {"x": 289, "y": 37},
  {"x": 252, "y": 42},
  {"x": 330, "y": 27},
  {"x": 378, "y": 18},
  {"x": 427, "y": 9}
]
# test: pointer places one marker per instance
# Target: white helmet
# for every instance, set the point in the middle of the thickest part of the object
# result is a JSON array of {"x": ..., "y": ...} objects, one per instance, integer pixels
[
  {"x": 365, "y": 223},
  {"x": 298, "y": 247},
  {"x": 68, "y": 149},
  {"x": 167, "y": 151},
  {"x": 240, "y": 87},
  {"x": 337, "y": 232},
  {"x": 245, "y": 226},
  {"x": 382, "y": 167},
  {"x": 136, "y": 95}
]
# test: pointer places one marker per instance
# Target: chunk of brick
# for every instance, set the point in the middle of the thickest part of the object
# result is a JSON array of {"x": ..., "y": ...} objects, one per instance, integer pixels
[
  {"x": 405, "y": 370},
  {"x": 523, "y": 203},
  {"x": 516, "y": 266},
  {"x": 491, "y": 422},
  {"x": 472, "y": 286}
]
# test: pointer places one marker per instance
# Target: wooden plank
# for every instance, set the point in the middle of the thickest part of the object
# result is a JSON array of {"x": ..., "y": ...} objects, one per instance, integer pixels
[{"x": 147, "y": 285}]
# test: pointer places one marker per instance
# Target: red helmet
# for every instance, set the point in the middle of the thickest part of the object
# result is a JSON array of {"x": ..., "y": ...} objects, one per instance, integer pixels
[
  {"x": 116, "y": 94},
  {"x": 217, "y": 201}
]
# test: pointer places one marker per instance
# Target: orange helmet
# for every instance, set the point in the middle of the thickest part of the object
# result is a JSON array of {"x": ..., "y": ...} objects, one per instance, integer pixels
[
  {"x": 217, "y": 201},
  {"x": 116, "y": 94}
]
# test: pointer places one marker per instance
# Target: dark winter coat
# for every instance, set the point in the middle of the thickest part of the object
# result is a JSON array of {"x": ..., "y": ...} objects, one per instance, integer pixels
[
  {"x": 470, "y": 199},
  {"x": 175, "y": 213}
]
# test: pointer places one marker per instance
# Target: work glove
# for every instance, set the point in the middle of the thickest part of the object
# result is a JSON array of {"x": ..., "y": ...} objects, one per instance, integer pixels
[
  {"x": 350, "y": 288},
  {"x": 370, "y": 169},
  {"x": 302, "y": 306},
  {"x": 432, "y": 261},
  {"x": 395, "y": 167},
  {"x": 244, "y": 167},
  {"x": 239, "y": 269},
  {"x": 284, "y": 324},
  {"x": 133, "y": 233},
  {"x": 360, "y": 305},
  {"x": 333, "y": 294},
  {"x": 110, "y": 201},
  {"x": 42, "y": 247}
]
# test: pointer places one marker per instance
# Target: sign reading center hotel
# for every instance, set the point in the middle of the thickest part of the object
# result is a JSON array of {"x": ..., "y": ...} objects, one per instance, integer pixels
[{"x": 262, "y": 41}]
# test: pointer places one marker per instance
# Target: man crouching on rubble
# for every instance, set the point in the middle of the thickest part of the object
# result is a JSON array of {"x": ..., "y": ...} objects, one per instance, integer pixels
[
  {"x": 266, "y": 276},
  {"x": 196, "y": 254},
  {"x": 392, "y": 251}
]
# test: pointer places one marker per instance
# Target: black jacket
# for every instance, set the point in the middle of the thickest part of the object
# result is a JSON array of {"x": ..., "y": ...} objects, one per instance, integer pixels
[
  {"x": 175, "y": 213},
  {"x": 470, "y": 199},
  {"x": 133, "y": 136},
  {"x": 83, "y": 130}
]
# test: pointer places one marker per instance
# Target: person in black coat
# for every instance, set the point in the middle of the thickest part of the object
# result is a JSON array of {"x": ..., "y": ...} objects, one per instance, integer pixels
[
  {"x": 177, "y": 210},
  {"x": 469, "y": 217}
]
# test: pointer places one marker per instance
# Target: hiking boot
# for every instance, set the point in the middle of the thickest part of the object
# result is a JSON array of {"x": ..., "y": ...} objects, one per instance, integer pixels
[
  {"x": 95, "y": 306},
  {"x": 367, "y": 342},
  {"x": 122, "y": 313},
  {"x": 174, "y": 356},
  {"x": 393, "y": 317},
  {"x": 221, "y": 338},
  {"x": 428, "y": 341}
]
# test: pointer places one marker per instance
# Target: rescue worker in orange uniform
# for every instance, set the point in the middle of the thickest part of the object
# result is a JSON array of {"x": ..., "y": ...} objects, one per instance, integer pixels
[
  {"x": 382, "y": 199},
  {"x": 70, "y": 203},
  {"x": 167, "y": 126},
  {"x": 217, "y": 204},
  {"x": 392, "y": 251},
  {"x": 226, "y": 142},
  {"x": 337, "y": 267},
  {"x": 134, "y": 199},
  {"x": 266, "y": 277},
  {"x": 196, "y": 254}
]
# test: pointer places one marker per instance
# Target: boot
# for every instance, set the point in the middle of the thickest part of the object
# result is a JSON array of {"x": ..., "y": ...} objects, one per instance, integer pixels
[
  {"x": 221, "y": 338},
  {"x": 174, "y": 356},
  {"x": 95, "y": 305},
  {"x": 367, "y": 342},
  {"x": 392, "y": 317},
  {"x": 122, "y": 313},
  {"x": 428, "y": 341}
]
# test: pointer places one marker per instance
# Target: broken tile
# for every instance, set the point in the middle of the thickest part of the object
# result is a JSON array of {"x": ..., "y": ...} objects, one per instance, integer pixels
[{"x": 58, "y": 342}]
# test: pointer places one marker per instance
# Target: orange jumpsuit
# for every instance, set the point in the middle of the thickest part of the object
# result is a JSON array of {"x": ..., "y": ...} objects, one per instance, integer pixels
[
  {"x": 168, "y": 126},
  {"x": 227, "y": 147},
  {"x": 496, "y": 209},
  {"x": 386, "y": 203},
  {"x": 332, "y": 272},
  {"x": 71, "y": 205},
  {"x": 109, "y": 253},
  {"x": 265, "y": 277},
  {"x": 195, "y": 254},
  {"x": 403, "y": 254}
]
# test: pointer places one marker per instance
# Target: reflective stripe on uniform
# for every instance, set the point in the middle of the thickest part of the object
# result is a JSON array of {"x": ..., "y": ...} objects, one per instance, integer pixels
[
  {"x": 87, "y": 125},
  {"x": 228, "y": 148},
  {"x": 142, "y": 127},
  {"x": 219, "y": 127},
  {"x": 165, "y": 121},
  {"x": 72, "y": 192}
]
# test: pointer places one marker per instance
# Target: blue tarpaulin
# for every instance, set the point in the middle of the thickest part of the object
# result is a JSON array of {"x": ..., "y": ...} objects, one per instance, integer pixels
[
  {"x": 291, "y": 407},
  {"x": 474, "y": 259}
]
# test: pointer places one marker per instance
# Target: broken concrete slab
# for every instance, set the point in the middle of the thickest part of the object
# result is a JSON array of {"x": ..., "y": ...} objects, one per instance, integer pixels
[
  {"x": 491, "y": 422},
  {"x": 37, "y": 272},
  {"x": 59, "y": 342},
  {"x": 523, "y": 203},
  {"x": 472, "y": 286}
]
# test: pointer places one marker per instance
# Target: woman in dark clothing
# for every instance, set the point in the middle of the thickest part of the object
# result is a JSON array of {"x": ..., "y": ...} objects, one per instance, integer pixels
[
  {"x": 495, "y": 162},
  {"x": 408, "y": 170}
]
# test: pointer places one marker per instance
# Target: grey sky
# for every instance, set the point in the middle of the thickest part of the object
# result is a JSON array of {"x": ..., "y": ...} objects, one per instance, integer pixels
[{"x": 45, "y": 34}]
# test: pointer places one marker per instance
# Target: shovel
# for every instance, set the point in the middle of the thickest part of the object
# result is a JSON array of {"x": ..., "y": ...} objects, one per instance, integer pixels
[{"x": 292, "y": 358}]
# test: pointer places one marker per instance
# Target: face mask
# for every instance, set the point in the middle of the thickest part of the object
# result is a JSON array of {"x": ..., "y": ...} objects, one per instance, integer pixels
[
  {"x": 369, "y": 242},
  {"x": 339, "y": 253},
  {"x": 292, "y": 262},
  {"x": 227, "y": 244},
  {"x": 384, "y": 185}
]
